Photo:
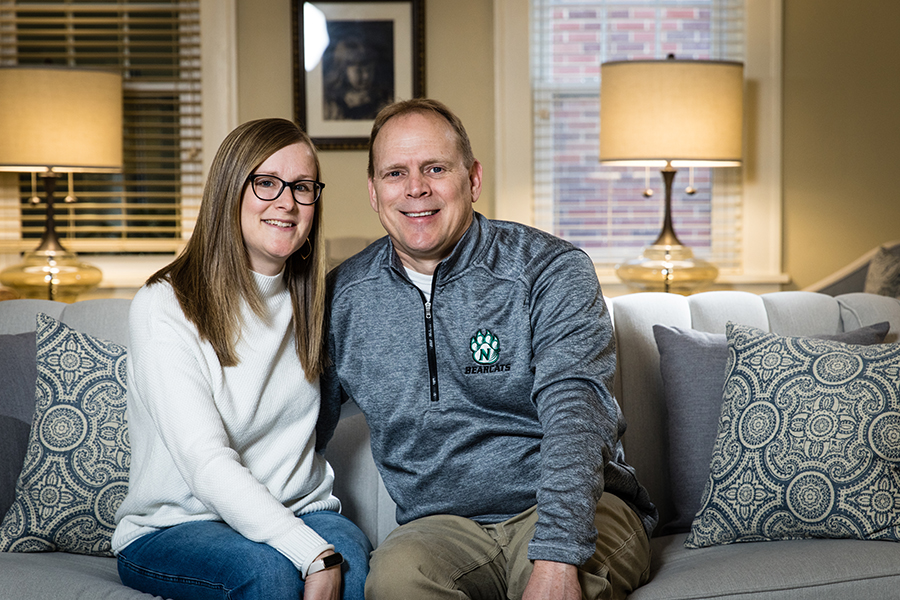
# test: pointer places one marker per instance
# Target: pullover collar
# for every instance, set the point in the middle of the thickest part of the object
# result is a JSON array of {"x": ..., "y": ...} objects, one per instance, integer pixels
[{"x": 467, "y": 248}]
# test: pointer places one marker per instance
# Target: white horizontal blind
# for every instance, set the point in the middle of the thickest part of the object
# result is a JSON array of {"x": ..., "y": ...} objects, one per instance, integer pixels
[
  {"x": 603, "y": 209},
  {"x": 151, "y": 206}
]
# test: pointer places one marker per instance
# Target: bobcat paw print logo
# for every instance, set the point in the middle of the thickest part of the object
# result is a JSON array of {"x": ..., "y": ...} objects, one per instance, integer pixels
[{"x": 485, "y": 347}]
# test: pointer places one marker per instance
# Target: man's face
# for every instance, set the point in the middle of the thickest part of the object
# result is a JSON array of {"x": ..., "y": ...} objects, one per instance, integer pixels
[{"x": 421, "y": 189}]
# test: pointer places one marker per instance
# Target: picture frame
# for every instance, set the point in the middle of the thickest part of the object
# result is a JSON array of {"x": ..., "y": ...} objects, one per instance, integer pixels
[{"x": 352, "y": 58}]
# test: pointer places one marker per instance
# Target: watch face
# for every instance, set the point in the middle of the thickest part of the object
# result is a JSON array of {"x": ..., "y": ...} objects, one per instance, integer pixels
[{"x": 333, "y": 560}]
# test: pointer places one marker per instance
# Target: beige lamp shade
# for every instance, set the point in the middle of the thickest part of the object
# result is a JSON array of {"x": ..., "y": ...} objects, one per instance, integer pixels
[
  {"x": 687, "y": 112},
  {"x": 61, "y": 119}
]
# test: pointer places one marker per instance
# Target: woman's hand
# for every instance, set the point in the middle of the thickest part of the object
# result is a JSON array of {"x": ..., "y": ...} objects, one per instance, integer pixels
[{"x": 324, "y": 585}]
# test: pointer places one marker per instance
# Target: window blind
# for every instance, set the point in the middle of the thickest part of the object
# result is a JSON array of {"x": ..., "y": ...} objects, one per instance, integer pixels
[
  {"x": 604, "y": 209},
  {"x": 151, "y": 205}
]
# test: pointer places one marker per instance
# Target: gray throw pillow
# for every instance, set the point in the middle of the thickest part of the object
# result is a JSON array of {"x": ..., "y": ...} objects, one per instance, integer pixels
[
  {"x": 692, "y": 365},
  {"x": 17, "y": 375},
  {"x": 806, "y": 445},
  {"x": 18, "y": 372},
  {"x": 13, "y": 443},
  {"x": 883, "y": 276}
]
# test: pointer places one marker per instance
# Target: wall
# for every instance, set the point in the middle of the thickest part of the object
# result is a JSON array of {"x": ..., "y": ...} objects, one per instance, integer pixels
[
  {"x": 841, "y": 126},
  {"x": 458, "y": 71},
  {"x": 840, "y": 121},
  {"x": 841, "y": 132}
]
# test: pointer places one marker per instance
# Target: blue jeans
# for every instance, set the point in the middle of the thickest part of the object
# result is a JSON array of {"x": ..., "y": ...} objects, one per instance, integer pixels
[{"x": 208, "y": 560}]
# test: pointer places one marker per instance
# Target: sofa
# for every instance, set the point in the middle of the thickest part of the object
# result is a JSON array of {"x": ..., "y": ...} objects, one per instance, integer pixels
[
  {"x": 795, "y": 569},
  {"x": 855, "y": 276}
]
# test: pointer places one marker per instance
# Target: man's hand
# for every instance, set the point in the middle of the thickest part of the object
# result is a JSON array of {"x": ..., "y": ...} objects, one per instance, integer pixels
[
  {"x": 324, "y": 585},
  {"x": 553, "y": 580}
]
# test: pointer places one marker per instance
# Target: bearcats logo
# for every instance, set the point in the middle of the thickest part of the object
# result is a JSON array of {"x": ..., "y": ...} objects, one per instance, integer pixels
[{"x": 485, "y": 347}]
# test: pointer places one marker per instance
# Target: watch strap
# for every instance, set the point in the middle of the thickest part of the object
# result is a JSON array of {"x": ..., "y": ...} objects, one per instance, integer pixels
[{"x": 327, "y": 562}]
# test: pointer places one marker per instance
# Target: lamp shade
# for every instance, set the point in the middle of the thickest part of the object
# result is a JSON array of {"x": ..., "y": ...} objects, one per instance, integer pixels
[
  {"x": 61, "y": 119},
  {"x": 686, "y": 112}
]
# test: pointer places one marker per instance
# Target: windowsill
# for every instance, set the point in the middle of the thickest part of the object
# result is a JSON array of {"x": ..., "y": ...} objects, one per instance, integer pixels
[
  {"x": 756, "y": 284},
  {"x": 124, "y": 275},
  {"x": 127, "y": 271}
]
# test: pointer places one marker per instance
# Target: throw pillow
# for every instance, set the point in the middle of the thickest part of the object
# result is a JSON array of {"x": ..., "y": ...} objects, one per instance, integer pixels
[
  {"x": 13, "y": 442},
  {"x": 692, "y": 365},
  {"x": 17, "y": 376},
  {"x": 76, "y": 468},
  {"x": 808, "y": 443},
  {"x": 883, "y": 276}
]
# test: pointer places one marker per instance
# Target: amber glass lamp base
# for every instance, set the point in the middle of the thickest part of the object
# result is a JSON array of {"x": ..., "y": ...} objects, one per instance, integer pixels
[
  {"x": 51, "y": 275},
  {"x": 667, "y": 268}
]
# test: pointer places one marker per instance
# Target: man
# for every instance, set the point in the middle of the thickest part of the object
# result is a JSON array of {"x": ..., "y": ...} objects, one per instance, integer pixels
[{"x": 482, "y": 356}]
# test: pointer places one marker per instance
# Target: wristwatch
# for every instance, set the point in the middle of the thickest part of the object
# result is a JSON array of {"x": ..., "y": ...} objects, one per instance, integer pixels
[{"x": 327, "y": 562}]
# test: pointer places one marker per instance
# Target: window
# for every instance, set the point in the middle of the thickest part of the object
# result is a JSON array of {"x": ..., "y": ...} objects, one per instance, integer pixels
[
  {"x": 150, "y": 207},
  {"x": 602, "y": 209},
  {"x": 739, "y": 228}
]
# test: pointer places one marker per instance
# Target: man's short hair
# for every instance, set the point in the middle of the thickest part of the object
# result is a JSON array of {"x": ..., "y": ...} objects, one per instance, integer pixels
[{"x": 426, "y": 106}]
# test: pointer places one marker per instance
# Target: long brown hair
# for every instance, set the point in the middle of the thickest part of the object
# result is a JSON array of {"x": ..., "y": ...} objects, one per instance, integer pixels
[{"x": 212, "y": 274}]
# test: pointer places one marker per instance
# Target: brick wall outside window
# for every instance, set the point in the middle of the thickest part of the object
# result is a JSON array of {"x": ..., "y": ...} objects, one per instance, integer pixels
[{"x": 603, "y": 209}]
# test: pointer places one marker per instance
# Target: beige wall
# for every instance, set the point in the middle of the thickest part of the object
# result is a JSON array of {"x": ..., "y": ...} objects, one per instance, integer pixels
[
  {"x": 841, "y": 117},
  {"x": 458, "y": 71},
  {"x": 841, "y": 132}
]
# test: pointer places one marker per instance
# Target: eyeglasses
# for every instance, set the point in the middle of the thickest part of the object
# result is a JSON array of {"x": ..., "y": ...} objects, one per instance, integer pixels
[{"x": 269, "y": 187}]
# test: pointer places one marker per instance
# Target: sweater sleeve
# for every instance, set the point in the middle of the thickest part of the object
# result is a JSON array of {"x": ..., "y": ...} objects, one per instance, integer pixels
[
  {"x": 574, "y": 363},
  {"x": 172, "y": 380}
]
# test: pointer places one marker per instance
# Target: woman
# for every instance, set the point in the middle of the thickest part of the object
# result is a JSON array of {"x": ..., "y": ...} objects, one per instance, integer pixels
[{"x": 227, "y": 496}]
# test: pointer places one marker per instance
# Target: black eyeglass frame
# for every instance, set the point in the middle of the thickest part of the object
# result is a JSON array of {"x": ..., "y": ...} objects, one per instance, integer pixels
[{"x": 318, "y": 185}]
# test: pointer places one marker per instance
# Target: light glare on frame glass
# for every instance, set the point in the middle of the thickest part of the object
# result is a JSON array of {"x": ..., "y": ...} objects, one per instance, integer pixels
[{"x": 315, "y": 36}]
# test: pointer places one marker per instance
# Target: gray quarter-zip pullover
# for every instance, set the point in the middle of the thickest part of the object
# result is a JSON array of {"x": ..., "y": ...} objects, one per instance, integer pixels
[{"x": 493, "y": 396}]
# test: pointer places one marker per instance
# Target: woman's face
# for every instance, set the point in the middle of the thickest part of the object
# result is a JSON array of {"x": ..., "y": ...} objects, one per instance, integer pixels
[
  {"x": 275, "y": 229},
  {"x": 360, "y": 75}
]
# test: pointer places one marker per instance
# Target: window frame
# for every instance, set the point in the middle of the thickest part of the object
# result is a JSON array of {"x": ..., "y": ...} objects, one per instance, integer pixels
[
  {"x": 219, "y": 115},
  {"x": 760, "y": 268}
]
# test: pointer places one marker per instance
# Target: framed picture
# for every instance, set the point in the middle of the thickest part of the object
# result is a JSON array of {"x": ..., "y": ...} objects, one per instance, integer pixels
[{"x": 352, "y": 58}]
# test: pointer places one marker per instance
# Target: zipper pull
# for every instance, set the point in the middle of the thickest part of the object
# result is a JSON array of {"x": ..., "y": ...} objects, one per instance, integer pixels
[{"x": 427, "y": 309}]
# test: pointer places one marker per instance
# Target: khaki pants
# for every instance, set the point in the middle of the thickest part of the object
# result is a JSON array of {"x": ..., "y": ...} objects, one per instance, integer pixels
[{"x": 452, "y": 557}]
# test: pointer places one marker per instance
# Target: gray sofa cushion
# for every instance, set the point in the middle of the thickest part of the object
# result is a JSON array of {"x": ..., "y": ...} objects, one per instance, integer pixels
[
  {"x": 692, "y": 365},
  {"x": 788, "y": 570},
  {"x": 63, "y": 576}
]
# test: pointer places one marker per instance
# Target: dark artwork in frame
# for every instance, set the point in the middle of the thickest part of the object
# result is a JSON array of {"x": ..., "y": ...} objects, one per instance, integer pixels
[{"x": 351, "y": 59}]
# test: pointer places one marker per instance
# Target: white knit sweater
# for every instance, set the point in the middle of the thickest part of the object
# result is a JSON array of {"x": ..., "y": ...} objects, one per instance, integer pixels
[{"x": 231, "y": 444}]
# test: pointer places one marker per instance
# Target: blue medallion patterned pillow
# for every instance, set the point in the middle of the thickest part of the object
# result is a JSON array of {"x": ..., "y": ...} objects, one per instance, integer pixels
[
  {"x": 808, "y": 443},
  {"x": 76, "y": 468}
]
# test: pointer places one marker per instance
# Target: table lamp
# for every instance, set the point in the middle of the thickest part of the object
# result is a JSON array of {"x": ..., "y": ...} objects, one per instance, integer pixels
[
  {"x": 56, "y": 120},
  {"x": 670, "y": 114}
]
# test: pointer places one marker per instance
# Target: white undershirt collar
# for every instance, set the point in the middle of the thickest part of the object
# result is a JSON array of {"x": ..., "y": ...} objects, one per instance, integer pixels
[{"x": 423, "y": 282}]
